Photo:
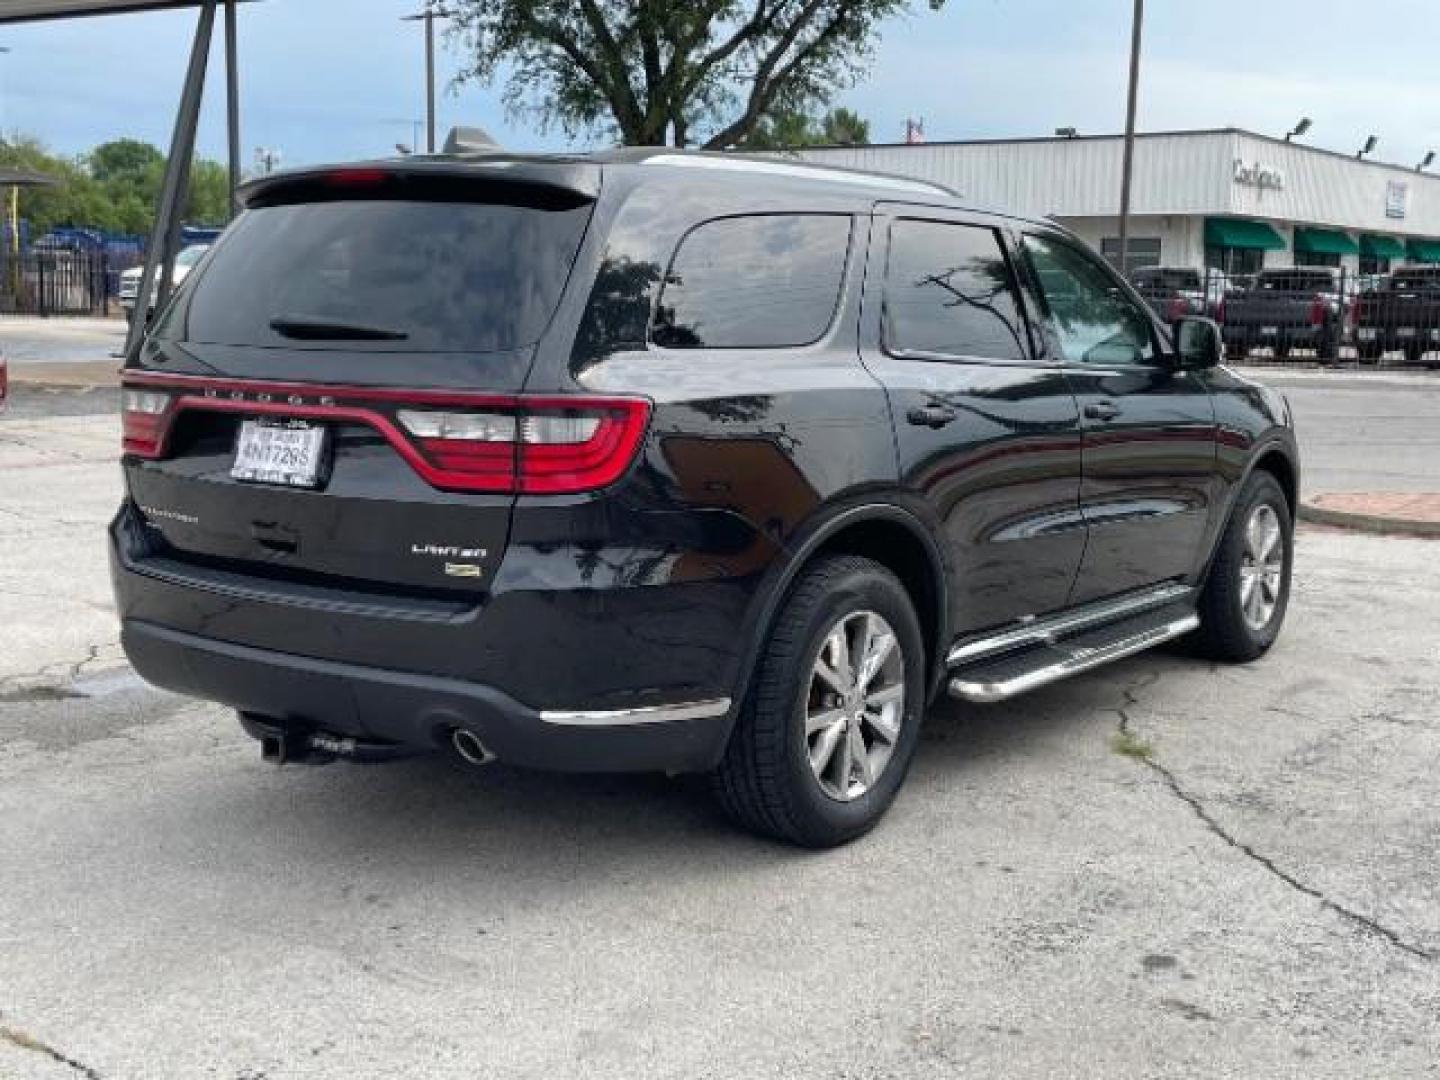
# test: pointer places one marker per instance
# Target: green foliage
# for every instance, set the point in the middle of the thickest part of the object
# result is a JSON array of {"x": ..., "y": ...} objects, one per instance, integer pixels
[
  {"x": 113, "y": 188},
  {"x": 785, "y": 129},
  {"x": 651, "y": 72}
]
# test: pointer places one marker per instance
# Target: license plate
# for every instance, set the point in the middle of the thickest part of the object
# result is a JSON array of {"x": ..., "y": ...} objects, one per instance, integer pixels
[
  {"x": 1269, "y": 331},
  {"x": 1406, "y": 331},
  {"x": 288, "y": 452}
]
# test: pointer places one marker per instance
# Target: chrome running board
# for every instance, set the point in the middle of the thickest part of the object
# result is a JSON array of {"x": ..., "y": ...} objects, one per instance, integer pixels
[
  {"x": 1050, "y": 629},
  {"x": 1060, "y": 662}
]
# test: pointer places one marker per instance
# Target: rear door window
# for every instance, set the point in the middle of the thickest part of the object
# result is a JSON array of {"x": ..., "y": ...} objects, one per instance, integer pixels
[
  {"x": 767, "y": 280},
  {"x": 949, "y": 292},
  {"x": 430, "y": 276}
]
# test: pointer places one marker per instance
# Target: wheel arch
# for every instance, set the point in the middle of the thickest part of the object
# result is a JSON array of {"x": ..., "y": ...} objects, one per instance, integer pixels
[{"x": 892, "y": 536}]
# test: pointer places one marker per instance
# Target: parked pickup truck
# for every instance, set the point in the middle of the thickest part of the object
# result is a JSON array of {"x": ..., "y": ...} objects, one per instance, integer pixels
[
  {"x": 1179, "y": 292},
  {"x": 1402, "y": 313},
  {"x": 1290, "y": 308}
]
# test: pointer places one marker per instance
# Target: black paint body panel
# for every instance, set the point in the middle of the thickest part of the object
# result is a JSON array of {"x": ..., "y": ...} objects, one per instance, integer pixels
[{"x": 658, "y": 589}]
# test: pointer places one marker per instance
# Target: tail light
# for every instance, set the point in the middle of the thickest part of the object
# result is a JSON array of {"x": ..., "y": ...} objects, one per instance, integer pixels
[
  {"x": 1318, "y": 308},
  {"x": 518, "y": 444},
  {"x": 1177, "y": 309},
  {"x": 536, "y": 446},
  {"x": 144, "y": 416}
]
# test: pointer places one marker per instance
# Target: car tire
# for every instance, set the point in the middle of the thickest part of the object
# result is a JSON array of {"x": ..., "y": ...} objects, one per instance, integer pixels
[
  {"x": 768, "y": 781},
  {"x": 1369, "y": 354},
  {"x": 1236, "y": 353},
  {"x": 1414, "y": 354},
  {"x": 1243, "y": 602}
]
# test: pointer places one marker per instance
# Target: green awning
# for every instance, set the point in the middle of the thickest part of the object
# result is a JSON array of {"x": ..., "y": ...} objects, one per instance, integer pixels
[
  {"x": 1381, "y": 247},
  {"x": 1425, "y": 251},
  {"x": 1237, "y": 233},
  {"x": 1325, "y": 242}
]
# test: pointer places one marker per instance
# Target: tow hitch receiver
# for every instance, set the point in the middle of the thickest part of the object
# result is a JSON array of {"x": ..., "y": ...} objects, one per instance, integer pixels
[{"x": 288, "y": 745}]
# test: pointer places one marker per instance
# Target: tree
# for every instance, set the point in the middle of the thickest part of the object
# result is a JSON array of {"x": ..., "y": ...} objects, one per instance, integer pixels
[
  {"x": 113, "y": 188},
  {"x": 784, "y": 130},
  {"x": 651, "y": 72}
]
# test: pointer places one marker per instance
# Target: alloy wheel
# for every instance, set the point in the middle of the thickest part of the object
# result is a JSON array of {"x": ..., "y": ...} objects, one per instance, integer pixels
[
  {"x": 855, "y": 705},
  {"x": 1262, "y": 567}
]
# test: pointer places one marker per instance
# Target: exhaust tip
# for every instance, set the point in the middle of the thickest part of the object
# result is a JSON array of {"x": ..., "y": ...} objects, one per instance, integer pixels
[{"x": 468, "y": 745}]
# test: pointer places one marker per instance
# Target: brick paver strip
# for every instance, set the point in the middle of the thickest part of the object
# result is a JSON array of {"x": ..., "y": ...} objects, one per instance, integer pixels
[{"x": 1377, "y": 511}]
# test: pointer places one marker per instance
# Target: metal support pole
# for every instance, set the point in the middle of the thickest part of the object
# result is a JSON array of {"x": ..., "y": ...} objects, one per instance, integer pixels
[
  {"x": 1129, "y": 159},
  {"x": 232, "y": 99},
  {"x": 429, "y": 81},
  {"x": 165, "y": 237}
]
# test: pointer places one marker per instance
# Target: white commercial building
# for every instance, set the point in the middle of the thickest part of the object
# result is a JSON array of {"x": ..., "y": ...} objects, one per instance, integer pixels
[{"x": 1228, "y": 199}]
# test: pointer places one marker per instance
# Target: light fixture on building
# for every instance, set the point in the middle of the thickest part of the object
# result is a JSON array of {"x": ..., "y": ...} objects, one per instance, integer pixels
[
  {"x": 1426, "y": 163},
  {"x": 1367, "y": 148},
  {"x": 1299, "y": 129},
  {"x": 1067, "y": 133}
]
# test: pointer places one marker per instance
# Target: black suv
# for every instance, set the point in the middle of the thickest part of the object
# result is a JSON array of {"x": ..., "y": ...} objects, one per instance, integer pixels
[{"x": 660, "y": 461}]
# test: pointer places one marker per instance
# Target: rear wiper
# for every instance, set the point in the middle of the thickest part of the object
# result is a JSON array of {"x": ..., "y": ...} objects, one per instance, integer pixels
[{"x": 307, "y": 328}]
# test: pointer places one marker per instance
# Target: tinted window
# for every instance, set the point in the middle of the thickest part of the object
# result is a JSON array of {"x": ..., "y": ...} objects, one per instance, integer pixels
[
  {"x": 448, "y": 277},
  {"x": 1096, "y": 322},
  {"x": 1294, "y": 281},
  {"x": 770, "y": 280},
  {"x": 1158, "y": 279},
  {"x": 1415, "y": 279},
  {"x": 948, "y": 290}
]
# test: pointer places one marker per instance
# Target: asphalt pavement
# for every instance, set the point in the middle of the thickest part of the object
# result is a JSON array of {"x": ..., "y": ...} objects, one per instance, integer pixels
[{"x": 1165, "y": 869}]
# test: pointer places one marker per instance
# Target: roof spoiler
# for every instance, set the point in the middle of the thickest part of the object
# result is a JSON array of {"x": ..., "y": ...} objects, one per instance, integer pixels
[{"x": 545, "y": 185}]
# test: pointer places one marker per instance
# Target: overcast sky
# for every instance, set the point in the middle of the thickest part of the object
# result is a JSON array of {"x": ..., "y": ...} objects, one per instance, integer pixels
[{"x": 340, "y": 79}]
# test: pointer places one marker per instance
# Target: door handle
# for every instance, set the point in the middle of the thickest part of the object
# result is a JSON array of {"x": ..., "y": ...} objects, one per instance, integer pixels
[
  {"x": 931, "y": 416},
  {"x": 1102, "y": 410}
]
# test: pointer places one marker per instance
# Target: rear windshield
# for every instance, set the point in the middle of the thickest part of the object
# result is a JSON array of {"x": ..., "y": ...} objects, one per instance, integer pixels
[
  {"x": 1294, "y": 281},
  {"x": 1416, "y": 280},
  {"x": 1167, "y": 279},
  {"x": 413, "y": 276}
]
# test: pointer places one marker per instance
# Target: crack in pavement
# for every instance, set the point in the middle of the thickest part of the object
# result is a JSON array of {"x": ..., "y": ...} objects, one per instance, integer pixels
[
  {"x": 44, "y": 678},
  {"x": 1172, "y": 782},
  {"x": 16, "y": 1037}
]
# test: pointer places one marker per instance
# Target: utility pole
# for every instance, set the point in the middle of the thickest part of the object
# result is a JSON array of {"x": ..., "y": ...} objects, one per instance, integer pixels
[
  {"x": 428, "y": 17},
  {"x": 1129, "y": 159}
]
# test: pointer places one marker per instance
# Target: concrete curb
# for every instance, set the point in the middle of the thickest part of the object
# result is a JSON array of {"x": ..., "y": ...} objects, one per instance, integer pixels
[
  {"x": 1377, "y": 524},
  {"x": 85, "y": 375}
]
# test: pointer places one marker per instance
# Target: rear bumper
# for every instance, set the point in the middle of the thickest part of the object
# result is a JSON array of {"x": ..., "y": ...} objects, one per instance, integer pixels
[
  {"x": 419, "y": 712},
  {"x": 1303, "y": 336},
  {"x": 566, "y": 679}
]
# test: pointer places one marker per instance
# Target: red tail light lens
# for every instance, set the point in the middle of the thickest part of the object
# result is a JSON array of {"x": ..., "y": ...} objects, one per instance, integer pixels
[
  {"x": 456, "y": 441},
  {"x": 1317, "y": 311},
  {"x": 543, "y": 447},
  {"x": 565, "y": 448},
  {"x": 144, "y": 418}
]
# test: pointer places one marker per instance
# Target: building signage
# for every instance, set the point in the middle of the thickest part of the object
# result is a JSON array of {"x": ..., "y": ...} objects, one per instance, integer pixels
[
  {"x": 1256, "y": 174},
  {"x": 1397, "y": 196}
]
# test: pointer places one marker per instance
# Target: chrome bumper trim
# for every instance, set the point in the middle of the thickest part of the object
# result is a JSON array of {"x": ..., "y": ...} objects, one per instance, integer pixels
[{"x": 650, "y": 714}]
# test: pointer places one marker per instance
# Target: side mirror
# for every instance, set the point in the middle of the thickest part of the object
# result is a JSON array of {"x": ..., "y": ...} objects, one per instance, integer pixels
[{"x": 1199, "y": 344}]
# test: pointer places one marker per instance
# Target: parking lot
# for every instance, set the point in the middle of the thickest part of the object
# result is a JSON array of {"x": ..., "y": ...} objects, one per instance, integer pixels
[{"x": 1163, "y": 869}]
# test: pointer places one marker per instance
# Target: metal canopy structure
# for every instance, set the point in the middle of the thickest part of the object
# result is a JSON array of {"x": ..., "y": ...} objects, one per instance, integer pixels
[
  {"x": 33, "y": 10},
  {"x": 165, "y": 238}
]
